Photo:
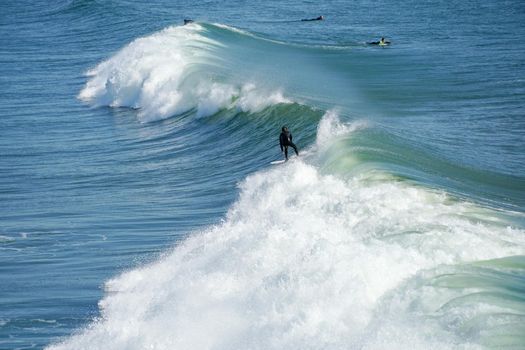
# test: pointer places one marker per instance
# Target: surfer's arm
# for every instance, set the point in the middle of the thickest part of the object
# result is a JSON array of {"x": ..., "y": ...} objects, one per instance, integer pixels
[{"x": 281, "y": 142}]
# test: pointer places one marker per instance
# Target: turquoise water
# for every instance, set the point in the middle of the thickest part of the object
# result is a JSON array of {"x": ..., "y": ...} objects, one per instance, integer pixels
[{"x": 139, "y": 208}]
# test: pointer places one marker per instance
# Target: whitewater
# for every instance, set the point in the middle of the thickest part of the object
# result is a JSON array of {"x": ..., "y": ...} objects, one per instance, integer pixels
[
  {"x": 303, "y": 259},
  {"x": 309, "y": 261},
  {"x": 141, "y": 209},
  {"x": 161, "y": 76}
]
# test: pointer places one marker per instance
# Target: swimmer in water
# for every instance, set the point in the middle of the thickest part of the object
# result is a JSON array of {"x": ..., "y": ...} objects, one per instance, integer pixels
[
  {"x": 320, "y": 18},
  {"x": 381, "y": 42}
]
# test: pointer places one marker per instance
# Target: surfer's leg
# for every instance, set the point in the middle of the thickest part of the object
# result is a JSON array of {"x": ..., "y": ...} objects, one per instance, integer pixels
[
  {"x": 294, "y": 148},
  {"x": 286, "y": 152}
]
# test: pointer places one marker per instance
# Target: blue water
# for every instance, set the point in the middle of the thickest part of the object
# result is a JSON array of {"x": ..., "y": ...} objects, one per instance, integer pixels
[{"x": 139, "y": 209}]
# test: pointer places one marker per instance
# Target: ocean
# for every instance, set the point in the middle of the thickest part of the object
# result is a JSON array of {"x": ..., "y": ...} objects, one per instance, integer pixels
[{"x": 139, "y": 208}]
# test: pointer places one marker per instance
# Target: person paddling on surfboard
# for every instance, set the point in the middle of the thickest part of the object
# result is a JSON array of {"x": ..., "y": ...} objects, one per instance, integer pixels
[
  {"x": 285, "y": 140},
  {"x": 320, "y": 18},
  {"x": 381, "y": 42}
]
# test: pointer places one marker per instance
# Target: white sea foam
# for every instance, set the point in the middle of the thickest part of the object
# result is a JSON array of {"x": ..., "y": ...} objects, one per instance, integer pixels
[
  {"x": 303, "y": 261},
  {"x": 40, "y": 320},
  {"x": 171, "y": 72},
  {"x": 251, "y": 99},
  {"x": 331, "y": 127},
  {"x": 6, "y": 239},
  {"x": 233, "y": 29}
]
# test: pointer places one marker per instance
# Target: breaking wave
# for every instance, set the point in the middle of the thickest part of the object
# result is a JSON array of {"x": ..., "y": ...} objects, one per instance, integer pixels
[
  {"x": 306, "y": 260},
  {"x": 171, "y": 72}
]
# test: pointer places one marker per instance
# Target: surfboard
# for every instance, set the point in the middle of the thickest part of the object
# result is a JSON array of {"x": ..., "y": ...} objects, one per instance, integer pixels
[
  {"x": 278, "y": 162},
  {"x": 377, "y": 43}
]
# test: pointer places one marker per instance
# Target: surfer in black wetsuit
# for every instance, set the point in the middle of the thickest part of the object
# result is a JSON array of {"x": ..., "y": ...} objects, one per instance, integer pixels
[
  {"x": 381, "y": 42},
  {"x": 285, "y": 140},
  {"x": 320, "y": 18}
]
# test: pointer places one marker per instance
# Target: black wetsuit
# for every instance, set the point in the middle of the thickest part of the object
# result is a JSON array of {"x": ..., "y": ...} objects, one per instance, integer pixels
[
  {"x": 320, "y": 18},
  {"x": 385, "y": 43},
  {"x": 285, "y": 140}
]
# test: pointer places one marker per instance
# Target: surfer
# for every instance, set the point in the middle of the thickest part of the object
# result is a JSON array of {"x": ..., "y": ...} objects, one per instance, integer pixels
[
  {"x": 381, "y": 42},
  {"x": 320, "y": 18},
  {"x": 188, "y": 21},
  {"x": 285, "y": 140}
]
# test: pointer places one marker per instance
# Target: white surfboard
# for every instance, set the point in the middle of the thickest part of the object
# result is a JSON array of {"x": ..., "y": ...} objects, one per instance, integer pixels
[{"x": 278, "y": 162}]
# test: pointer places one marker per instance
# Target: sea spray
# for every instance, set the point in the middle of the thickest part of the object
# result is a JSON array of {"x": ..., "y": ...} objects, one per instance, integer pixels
[
  {"x": 331, "y": 127},
  {"x": 171, "y": 72},
  {"x": 309, "y": 261}
]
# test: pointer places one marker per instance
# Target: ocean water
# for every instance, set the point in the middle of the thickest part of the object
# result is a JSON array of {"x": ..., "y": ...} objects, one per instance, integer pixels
[{"x": 139, "y": 208}]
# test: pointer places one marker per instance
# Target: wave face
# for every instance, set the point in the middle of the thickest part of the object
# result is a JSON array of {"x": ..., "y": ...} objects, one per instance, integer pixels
[
  {"x": 203, "y": 69},
  {"x": 354, "y": 245},
  {"x": 306, "y": 260}
]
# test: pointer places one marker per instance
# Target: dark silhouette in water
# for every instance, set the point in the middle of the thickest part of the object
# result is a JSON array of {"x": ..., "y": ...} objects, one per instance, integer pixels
[
  {"x": 381, "y": 42},
  {"x": 285, "y": 140},
  {"x": 320, "y": 18},
  {"x": 186, "y": 21}
]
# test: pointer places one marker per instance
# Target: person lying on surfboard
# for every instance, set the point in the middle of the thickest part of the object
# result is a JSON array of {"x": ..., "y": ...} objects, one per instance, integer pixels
[
  {"x": 320, "y": 18},
  {"x": 381, "y": 42},
  {"x": 285, "y": 140}
]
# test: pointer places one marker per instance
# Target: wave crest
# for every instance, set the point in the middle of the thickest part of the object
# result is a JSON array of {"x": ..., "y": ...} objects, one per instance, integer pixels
[{"x": 169, "y": 73}]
